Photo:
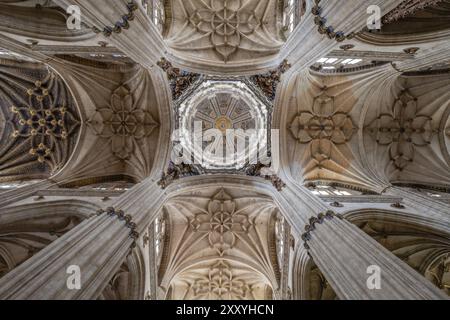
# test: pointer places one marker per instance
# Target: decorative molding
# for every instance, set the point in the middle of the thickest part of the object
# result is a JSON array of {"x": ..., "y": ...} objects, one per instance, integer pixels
[
  {"x": 371, "y": 55},
  {"x": 320, "y": 21},
  {"x": 322, "y": 128},
  {"x": 321, "y": 217},
  {"x": 397, "y": 205},
  {"x": 256, "y": 170},
  {"x": 223, "y": 224},
  {"x": 444, "y": 189},
  {"x": 180, "y": 80},
  {"x": 268, "y": 82},
  {"x": 177, "y": 171},
  {"x": 408, "y": 8},
  {"x": 112, "y": 212},
  {"x": 42, "y": 121},
  {"x": 122, "y": 24},
  {"x": 347, "y": 70},
  {"x": 39, "y": 122},
  {"x": 221, "y": 29},
  {"x": 221, "y": 284},
  {"x": 336, "y": 204},
  {"x": 402, "y": 130},
  {"x": 89, "y": 193},
  {"x": 421, "y": 73},
  {"x": 412, "y": 50},
  {"x": 123, "y": 123},
  {"x": 361, "y": 199}
]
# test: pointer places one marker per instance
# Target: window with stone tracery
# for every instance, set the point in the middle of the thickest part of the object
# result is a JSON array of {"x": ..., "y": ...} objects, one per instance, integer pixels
[
  {"x": 160, "y": 232},
  {"x": 330, "y": 191},
  {"x": 293, "y": 10},
  {"x": 155, "y": 10},
  {"x": 280, "y": 231},
  {"x": 110, "y": 186}
]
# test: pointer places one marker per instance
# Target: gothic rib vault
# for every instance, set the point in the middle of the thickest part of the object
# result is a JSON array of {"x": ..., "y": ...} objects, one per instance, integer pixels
[{"x": 93, "y": 122}]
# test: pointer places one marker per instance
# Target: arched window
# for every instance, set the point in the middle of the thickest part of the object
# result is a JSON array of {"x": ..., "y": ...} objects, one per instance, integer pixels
[
  {"x": 323, "y": 190},
  {"x": 155, "y": 10},
  {"x": 292, "y": 12},
  {"x": 280, "y": 231},
  {"x": 160, "y": 233},
  {"x": 111, "y": 186}
]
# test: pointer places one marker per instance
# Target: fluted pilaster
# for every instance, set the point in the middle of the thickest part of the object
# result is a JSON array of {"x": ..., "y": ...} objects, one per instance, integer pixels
[
  {"x": 98, "y": 246},
  {"x": 344, "y": 254}
]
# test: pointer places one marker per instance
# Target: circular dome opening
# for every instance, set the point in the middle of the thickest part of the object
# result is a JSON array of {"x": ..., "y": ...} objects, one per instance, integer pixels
[{"x": 223, "y": 125}]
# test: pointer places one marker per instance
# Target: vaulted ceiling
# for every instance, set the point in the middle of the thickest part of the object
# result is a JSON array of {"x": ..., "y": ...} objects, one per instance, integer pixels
[
  {"x": 231, "y": 31},
  {"x": 222, "y": 245}
]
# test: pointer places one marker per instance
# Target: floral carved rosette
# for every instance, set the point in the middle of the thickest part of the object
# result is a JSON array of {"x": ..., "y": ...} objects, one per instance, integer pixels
[
  {"x": 402, "y": 130},
  {"x": 322, "y": 128},
  {"x": 226, "y": 22},
  {"x": 44, "y": 124},
  {"x": 223, "y": 224},
  {"x": 123, "y": 122}
]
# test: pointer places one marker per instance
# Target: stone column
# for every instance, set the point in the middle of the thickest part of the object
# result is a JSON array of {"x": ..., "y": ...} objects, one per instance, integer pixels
[
  {"x": 98, "y": 246},
  {"x": 337, "y": 21},
  {"x": 137, "y": 37},
  {"x": 11, "y": 196},
  {"x": 348, "y": 258},
  {"x": 343, "y": 252}
]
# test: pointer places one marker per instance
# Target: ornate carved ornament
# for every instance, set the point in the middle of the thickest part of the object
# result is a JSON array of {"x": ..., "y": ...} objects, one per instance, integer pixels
[
  {"x": 256, "y": 170},
  {"x": 39, "y": 123},
  {"x": 221, "y": 283},
  {"x": 402, "y": 130},
  {"x": 180, "y": 80},
  {"x": 408, "y": 8},
  {"x": 333, "y": 184},
  {"x": 123, "y": 123},
  {"x": 322, "y": 128},
  {"x": 268, "y": 82},
  {"x": 223, "y": 223},
  {"x": 42, "y": 121},
  {"x": 320, "y": 21},
  {"x": 128, "y": 219},
  {"x": 122, "y": 24},
  {"x": 321, "y": 218},
  {"x": 225, "y": 27},
  {"x": 177, "y": 171},
  {"x": 219, "y": 226}
]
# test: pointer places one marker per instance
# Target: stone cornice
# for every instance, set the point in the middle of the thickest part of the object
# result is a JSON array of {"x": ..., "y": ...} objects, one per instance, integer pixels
[
  {"x": 78, "y": 193},
  {"x": 374, "y": 55},
  {"x": 362, "y": 199}
]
